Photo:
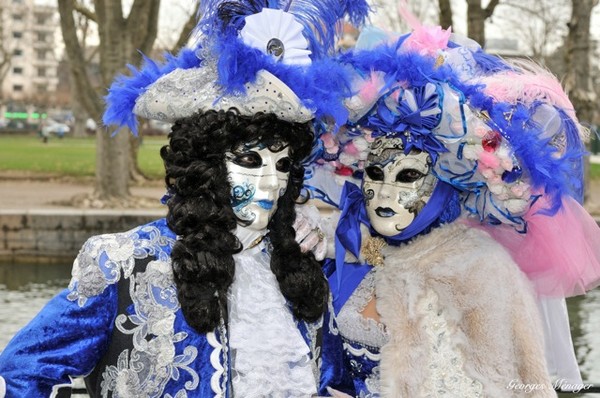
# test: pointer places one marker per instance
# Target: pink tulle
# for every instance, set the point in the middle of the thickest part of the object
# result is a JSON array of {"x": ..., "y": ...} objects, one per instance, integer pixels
[{"x": 560, "y": 254}]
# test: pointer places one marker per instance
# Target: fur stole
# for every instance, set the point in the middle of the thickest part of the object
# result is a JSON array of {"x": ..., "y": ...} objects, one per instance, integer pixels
[{"x": 489, "y": 313}]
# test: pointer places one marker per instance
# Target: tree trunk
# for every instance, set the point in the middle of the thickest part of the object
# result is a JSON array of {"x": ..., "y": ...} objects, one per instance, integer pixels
[
  {"x": 578, "y": 78},
  {"x": 112, "y": 151},
  {"x": 476, "y": 17},
  {"x": 120, "y": 40},
  {"x": 135, "y": 173},
  {"x": 80, "y": 116},
  {"x": 445, "y": 13}
]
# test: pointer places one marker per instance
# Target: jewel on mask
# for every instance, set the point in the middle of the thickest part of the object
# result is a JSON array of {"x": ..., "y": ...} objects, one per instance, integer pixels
[
  {"x": 276, "y": 48},
  {"x": 491, "y": 141}
]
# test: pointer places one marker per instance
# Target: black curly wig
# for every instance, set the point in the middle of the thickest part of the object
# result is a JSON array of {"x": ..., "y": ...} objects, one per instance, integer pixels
[{"x": 200, "y": 213}]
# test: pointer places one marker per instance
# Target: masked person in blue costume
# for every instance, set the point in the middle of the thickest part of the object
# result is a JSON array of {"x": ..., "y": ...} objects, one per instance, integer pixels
[
  {"x": 217, "y": 299},
  {"x": 466, "y": 169}
]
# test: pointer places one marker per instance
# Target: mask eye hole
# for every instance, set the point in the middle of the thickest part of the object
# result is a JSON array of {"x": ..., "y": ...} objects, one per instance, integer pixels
[
  {"x": 249, "y": 160},
  {"x": 283, "y": 165},
  {"x": 409, "y": 175},
  {"x": 375, "y": 173}
]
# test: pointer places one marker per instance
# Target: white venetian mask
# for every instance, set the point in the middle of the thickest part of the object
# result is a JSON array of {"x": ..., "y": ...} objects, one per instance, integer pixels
[
  {"x": 396, "y": 186},
  {"x": 258, "y": 175}
]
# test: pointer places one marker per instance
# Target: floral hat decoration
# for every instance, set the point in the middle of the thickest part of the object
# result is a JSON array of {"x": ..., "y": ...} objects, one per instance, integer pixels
[
  {"x": 254, "y": 55},
  {"x": 504, "y": 142}
]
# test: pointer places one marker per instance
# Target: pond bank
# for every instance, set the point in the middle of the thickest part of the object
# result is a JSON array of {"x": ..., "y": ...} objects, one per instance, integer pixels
[{"x": 54, "y": 236}]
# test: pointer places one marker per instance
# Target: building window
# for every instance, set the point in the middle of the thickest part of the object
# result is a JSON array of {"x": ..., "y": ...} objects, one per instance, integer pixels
[
  {"x": 17, "y": 52},
  {"x": 17, "y": 1},
  {"x": 17, "y": 70},
  {"x": 41, "y": 72},
  {"x": 17, "y": 35},
  {"x": 18, "y": 88},
  {"x": 17, "y": 17},
  {"x": 41, "y": 54},
  {"x": 40, "y": 19},
  {"x": 41, "y": 36},
  {"x": 41, "y": 88}
]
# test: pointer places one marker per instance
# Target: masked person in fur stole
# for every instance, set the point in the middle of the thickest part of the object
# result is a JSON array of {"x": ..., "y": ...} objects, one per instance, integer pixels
[
  {"x": 217, "y": 299},
  {"x": 467, "y": 172}
]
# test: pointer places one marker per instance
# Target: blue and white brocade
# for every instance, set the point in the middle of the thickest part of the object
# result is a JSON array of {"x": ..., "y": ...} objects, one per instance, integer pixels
[{"x": 119, "y": 325}]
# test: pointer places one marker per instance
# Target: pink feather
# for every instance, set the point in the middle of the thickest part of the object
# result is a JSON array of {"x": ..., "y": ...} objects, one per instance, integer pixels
[
  {"x": 370, "y": 89},
  {"x": 426, "y": 40},
  {"x": 526, "y": 83}
]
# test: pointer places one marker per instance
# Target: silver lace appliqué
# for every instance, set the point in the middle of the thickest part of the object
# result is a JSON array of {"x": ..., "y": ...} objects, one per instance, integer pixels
[
  {"x": 152, "y": 362},
  {"x": 103, "y": 258},
  {"x": 446, "y": 375},
  {"x": 145, "y": 369},
  {"x": 355, "y": 327}
]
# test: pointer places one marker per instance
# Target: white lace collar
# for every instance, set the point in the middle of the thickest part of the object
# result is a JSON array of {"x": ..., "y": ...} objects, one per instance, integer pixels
[{"x": 269, "y": 355}]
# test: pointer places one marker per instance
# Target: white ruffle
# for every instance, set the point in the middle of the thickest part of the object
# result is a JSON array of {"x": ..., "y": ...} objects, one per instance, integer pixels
[
  {"x": 2, "y": 387},
  {"x": 269, "y": 355}
]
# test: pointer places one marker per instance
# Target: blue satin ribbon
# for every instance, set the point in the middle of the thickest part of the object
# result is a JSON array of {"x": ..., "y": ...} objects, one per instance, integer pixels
[
  {"x": 387, "y": 122},
  {"x": 348, "y": 235}
]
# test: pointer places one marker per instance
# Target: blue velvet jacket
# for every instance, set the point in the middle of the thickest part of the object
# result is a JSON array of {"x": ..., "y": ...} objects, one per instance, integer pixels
[{"x": 119, "y": 325}]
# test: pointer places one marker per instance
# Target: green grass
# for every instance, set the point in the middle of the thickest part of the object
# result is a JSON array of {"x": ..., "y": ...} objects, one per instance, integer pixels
[
  {"x": 595, "y": 171},
  {"x": 75, "y": 157}
]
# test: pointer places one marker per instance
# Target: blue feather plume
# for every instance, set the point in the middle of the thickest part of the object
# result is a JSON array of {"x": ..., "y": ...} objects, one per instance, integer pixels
[
  {"x": 320, "y": 18},
  {"x": 557, "y": 176},
  {"x": 322, "y": 86},
  {"x": 125, "y": 90}
]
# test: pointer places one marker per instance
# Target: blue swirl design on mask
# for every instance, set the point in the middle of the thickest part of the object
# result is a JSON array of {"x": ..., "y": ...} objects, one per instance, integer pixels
[{"x": 242, "y": 195}]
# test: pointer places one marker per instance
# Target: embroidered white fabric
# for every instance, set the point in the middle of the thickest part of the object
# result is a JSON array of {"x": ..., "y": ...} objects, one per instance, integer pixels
[
  {"x": 269, "y": 355},
  {"x": 355, "y": 327},
  {"x": 446, "y": 376}
]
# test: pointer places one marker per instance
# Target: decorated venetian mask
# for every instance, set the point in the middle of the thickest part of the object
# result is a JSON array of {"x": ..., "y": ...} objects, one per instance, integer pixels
[
  {"x": 258, "y": 175},
  {"x": 396, "y": 186}
]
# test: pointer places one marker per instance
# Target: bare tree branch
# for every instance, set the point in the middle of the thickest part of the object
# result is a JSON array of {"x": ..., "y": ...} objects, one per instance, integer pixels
[
  {"x": 544, "y": 28},
  {"x": 445, "y": 13},
  {"x": 90, "y": 100},
  {"x": 142, "y": 26},
  {"x": 489, "y": 10},
  {"x": 185, "y": 33},
  {"x": 86, "y": 12}
]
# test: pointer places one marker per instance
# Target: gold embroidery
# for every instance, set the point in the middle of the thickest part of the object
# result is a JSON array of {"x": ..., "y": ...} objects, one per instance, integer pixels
[{"x": 371, "y": 251}]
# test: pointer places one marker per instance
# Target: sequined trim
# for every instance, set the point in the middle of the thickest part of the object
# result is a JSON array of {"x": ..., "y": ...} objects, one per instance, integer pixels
[
  {"x": 362, "y": 351},
  {"x": 315, "y": 349}
]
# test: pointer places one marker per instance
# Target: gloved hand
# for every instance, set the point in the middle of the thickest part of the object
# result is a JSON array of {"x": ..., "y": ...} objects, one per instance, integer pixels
[{"x": 310, "y": 234}]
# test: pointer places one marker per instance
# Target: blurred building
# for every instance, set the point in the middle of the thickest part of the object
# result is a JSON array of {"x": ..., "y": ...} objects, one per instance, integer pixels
[{"x": 28, "y": 62}]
